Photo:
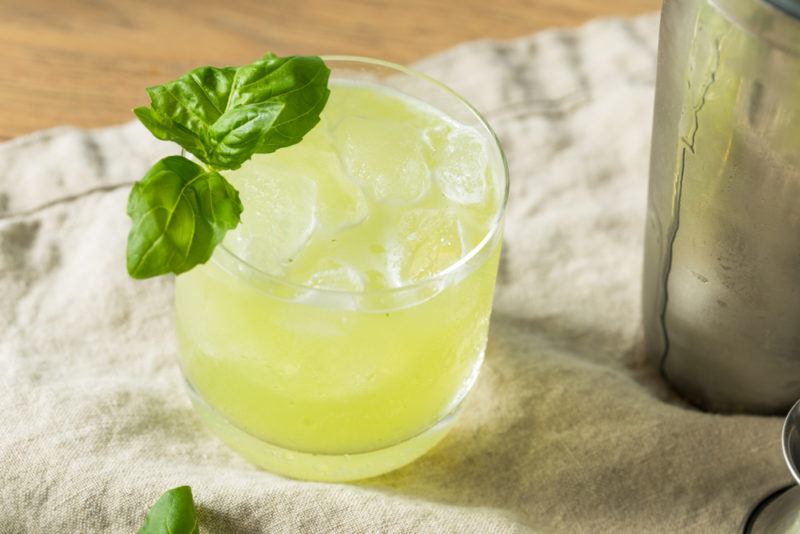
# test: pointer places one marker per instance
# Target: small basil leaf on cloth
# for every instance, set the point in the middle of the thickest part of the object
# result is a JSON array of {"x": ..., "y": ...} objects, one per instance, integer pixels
[{"x": 173, "y": 513}]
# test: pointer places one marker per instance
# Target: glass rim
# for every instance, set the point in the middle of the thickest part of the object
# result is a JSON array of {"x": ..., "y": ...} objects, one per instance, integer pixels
[{"x": 497, "y": 221}]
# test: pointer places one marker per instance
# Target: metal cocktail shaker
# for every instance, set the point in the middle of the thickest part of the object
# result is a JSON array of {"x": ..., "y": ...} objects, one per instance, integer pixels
[{"x": 721, "y": 288}]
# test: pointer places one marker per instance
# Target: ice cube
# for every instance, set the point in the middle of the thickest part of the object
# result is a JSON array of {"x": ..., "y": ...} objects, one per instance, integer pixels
[
  {"x": 385, "y": 157},
  {"x": 279, "y": 213},
  {"x": 425, "y": 242},
  {"x": 460, "y": 164},
  {"x": 337, "y": 275},
  {"x": 340, "y": 201}
]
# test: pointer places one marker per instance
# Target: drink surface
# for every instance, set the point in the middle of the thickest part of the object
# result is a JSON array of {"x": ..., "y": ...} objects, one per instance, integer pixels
[
  {"x": 384, "y": 192},
  {"x": 363, "y": 319}
]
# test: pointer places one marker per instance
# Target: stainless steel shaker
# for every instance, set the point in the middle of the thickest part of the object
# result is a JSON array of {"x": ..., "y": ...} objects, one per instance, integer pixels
[{"x": 721, "y": 290}]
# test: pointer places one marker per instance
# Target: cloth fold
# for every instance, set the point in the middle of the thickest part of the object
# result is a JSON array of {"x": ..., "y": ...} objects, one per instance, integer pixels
[{"x": 569, "y": 428}]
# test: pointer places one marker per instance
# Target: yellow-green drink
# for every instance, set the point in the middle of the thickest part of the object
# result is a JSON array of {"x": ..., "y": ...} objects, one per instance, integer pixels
[{"x": 335, "y": 333}]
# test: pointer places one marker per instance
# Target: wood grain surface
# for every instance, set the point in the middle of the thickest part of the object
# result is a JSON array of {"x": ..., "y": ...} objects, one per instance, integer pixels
[{"x": 87, "y": 62}]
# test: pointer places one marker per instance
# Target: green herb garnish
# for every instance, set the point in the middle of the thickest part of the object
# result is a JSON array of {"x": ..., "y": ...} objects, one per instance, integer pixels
[
  {"x": 173, "y": 513},
  {"x": 181, "y": 210}
]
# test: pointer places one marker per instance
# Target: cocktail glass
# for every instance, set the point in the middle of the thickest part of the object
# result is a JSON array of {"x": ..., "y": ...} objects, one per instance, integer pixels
[{"x": 351, "y": 372}]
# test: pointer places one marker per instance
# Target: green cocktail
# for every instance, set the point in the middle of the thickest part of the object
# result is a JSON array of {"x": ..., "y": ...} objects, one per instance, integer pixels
[{"x": 336, "y": 331}]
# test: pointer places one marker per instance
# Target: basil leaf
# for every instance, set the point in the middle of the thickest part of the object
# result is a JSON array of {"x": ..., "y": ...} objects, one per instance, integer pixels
[
  {"x": 225, "y": 115},
  {"x": 173, "y": 513},
  {"x": 180, "y": 212},
  {"x": 299, "y": 82}
]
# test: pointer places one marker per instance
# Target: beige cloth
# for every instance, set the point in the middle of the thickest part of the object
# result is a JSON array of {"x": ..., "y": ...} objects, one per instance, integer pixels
[{"x": 568, "y": 430}]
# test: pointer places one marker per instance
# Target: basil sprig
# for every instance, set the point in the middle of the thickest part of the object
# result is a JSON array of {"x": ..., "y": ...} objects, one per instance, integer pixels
[{"x": 181, "y": 210}]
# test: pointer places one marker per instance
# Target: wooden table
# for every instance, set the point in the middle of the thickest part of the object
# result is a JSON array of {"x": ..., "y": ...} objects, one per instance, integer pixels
[{"x": 87, "y": 62}]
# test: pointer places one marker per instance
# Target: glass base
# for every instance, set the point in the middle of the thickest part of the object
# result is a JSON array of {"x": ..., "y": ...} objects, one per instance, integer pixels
[{"x": 320, "y": 467}]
